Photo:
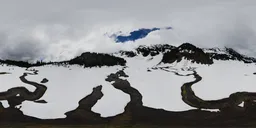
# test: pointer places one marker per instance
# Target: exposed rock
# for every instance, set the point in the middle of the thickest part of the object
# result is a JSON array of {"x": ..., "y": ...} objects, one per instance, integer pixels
[
  {"x": 128, "y": 53},
  {"x": 152, "y": 50},
  {"x": 115, "y": 76},
  {"x": 15, "y": 96},
  {"x": 22, "y": 63},
  {"x": 41, "y": 101},
  {"x": 189, "y": 52},
  {"x": 135, "y": 112},
  {"x": 88, "y": 59},
  {"x": 250, "y": 106},
  {"x": 230, "y": 54},
  {"x": 3, "y": 73},
  {"x": 228, "y": 105},
  {"x": 44, "y": 80},
  {"x": 135, "y": 96},
  {"x": 83, "y": 113},
  {"x": 14, "y": 115},
  {"x": 89, "y": 101},
  {"x": 15, "y": 100},
  {"x": 171, "y": 54}
]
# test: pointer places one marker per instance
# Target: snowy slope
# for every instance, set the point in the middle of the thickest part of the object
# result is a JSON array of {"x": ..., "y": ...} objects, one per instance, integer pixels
[
  {"x": 225, "y": 77},
  {"x": 160, "y": 89},
  {"x": 66, "y": 87},
  {"x": 157, "y": 82}
]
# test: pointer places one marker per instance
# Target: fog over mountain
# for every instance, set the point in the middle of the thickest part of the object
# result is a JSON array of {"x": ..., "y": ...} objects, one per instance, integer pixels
[
  {"x": 133, "y": 63},
  {"x": 61, "y": 29}
]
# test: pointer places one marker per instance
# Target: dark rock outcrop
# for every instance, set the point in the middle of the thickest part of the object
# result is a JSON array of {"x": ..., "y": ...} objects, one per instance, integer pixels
[
  {"x": 231, "y": 54},
  {"x": 15, "y": 96},
  {"x": 44, "y": 80},
  {"x": 229, "y": 105},
  {"x": 22, "y": 63},
  {"x": 115, "y": 76},
  {"x": 14, "y": 115},
  {"x": 83, "y": 113},
  {"x": 171, "y": 54},
  {"x": 152, "y": 50},
  {"x": 136, "y": 113},
  {"x": 135, "y": 98},
  {"x": 88, "y": 59},
  {"x": 189, "y": 52},
  {"x": 124, "y": 85},
  {"x": 4, "y": 73},
  {"x": 128, "y": 53}
]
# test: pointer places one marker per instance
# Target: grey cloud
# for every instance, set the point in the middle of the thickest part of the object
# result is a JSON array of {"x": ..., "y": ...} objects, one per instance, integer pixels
[
  {"x": 204, "y": 23},
  {"x": 24, "y": 49},
  {"x": 242, "y": 38}
]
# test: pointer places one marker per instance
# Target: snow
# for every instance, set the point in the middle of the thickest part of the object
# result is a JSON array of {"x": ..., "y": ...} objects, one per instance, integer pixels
[
  {"x": 242, "y": 104},
  {"x": 160, "y": 87},
  {"x": 224, "y": 78},
  {"x": 215, "y": 50},
  {"x": 7, "y": 81},
  {"x": 220, "y": 79},
  {"x": 66, "y": 87}
]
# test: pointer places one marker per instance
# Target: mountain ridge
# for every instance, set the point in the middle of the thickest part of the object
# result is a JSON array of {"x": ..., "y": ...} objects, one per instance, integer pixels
[
  {"x": 170, "y": 55},
  {"x": 146, "y": 87}
]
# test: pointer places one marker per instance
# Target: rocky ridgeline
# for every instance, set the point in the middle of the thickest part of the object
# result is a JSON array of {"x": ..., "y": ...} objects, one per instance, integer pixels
[
  {"x": 170, "y": 54},
  {"x": 152, "y": 50},
  {"x": 86, "y": 59},
  {"x": 190, "y": 52},
  {"x": 229, "y": 54}
]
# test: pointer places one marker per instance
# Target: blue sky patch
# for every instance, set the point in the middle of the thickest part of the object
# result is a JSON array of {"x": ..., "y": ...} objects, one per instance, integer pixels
[{"x": 137, "y": 34}]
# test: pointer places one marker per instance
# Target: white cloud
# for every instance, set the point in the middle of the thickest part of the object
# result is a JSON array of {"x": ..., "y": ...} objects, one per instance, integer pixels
[{"x": 61, "y": 29}]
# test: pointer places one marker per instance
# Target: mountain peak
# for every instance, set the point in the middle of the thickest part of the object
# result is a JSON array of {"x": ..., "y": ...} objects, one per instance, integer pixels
[
  {"x": 188, "y": 46},
  {"x": 229, "y": 54},
  {"x": 189, "y": 52},
  {"x": 170, "y": 54}
]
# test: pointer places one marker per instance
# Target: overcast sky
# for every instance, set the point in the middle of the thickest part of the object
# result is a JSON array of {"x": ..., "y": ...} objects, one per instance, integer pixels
[{"x": 61, "y": 29}]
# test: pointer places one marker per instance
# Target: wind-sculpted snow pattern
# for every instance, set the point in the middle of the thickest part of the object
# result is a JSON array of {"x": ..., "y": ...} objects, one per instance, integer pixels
[{"x": 157, "y": 84}]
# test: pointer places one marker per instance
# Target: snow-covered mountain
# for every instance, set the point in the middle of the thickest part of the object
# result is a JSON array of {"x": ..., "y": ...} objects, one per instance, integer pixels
[{"x": 157, "y": 73}]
